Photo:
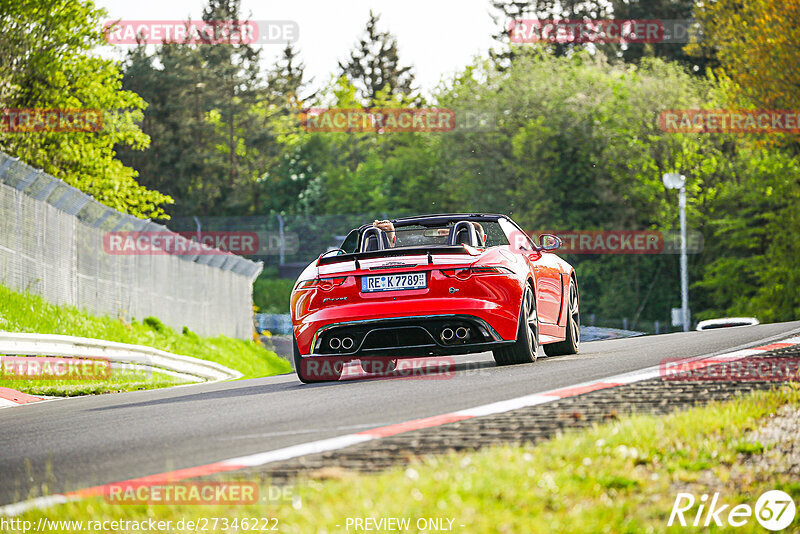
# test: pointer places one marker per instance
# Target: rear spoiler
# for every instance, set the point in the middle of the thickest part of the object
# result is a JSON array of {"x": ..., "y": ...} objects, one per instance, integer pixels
[{"x": 400, "y": 251}]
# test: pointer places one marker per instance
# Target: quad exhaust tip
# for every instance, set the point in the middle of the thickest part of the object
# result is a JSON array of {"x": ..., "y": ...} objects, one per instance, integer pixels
[
  {"x": 346, "y": 343},
  {"x": 447, "y": 334},
  {"x": 450, "y": 335}
]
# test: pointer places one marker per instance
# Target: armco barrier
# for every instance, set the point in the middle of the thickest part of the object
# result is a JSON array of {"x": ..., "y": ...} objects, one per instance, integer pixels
[{"x": 131, "y": 356}]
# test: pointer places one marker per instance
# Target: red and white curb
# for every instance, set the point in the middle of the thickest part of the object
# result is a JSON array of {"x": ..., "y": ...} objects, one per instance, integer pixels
[
  {"x": 12, "y": 397},
  {"x": 347, "y": 440}
]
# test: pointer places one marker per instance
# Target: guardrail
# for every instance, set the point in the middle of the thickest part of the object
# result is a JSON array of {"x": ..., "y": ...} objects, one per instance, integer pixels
[{"x": 128, "y": 356}]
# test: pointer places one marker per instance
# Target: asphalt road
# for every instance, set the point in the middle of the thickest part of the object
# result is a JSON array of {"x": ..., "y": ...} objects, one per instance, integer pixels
[{"x": 75, "y": 443}]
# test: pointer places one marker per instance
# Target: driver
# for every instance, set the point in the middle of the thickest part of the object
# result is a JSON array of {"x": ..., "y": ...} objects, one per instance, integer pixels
[{"x": 387, "y": 227}]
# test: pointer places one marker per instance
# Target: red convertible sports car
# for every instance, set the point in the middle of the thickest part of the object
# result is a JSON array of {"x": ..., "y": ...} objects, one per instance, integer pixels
[{"x": 436, "y": 285}]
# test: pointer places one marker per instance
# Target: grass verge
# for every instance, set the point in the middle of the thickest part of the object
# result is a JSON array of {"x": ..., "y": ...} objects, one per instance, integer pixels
[
  {"x": 25, "y": 312},
  {"x": 617, "y": 477},
  {"x": 118, "y": 381}
]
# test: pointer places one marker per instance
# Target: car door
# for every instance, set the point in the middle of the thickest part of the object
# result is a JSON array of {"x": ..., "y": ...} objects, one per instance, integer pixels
[
  {"x": 546, "y": 272},
  {"x": 548, "y": 278}
]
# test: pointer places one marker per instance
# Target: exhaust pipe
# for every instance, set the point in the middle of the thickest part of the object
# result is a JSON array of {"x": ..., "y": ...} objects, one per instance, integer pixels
[
  {"x": 462, "y": 333},
  {"x": 334, "y": 343},
  {"x": 447, "y": 334},
  {"x": 347, "y": 343}
]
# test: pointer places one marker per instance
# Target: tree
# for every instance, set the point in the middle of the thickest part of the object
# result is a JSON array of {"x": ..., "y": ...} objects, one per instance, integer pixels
[
  {"x": 46, "y": 62},
  {"x": 289, "y": 165},
  {"x": 755, "y": 212},
  {"x": 287, "y": 80},
  {"x": 753, "y": 221},
  {"x": 665, "y": 10},
  {"x": 236, "y": 72},
  {"x": 576, "y": 146},
  {"x": 756, "y": 45},
  {"x": 375, "y": 65},
  {"x": 207, "y": 120},
  {"x": 509, "y": 10}
]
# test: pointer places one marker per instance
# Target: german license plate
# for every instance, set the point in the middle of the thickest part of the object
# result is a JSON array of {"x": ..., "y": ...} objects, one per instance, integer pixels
[{"x": 393, "y": 282}]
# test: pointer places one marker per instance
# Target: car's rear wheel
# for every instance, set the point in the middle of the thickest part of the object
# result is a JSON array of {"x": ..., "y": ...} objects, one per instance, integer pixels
[
  {"x": 527, "y": 343},
  {"x": 379, "y": 365},
  {"x": 572, "y": 342},
  {"x": 311, "y": 370}
]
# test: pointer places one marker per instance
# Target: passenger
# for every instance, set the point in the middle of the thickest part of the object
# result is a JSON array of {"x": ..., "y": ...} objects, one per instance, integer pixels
[{"x": 481, "y": 234}]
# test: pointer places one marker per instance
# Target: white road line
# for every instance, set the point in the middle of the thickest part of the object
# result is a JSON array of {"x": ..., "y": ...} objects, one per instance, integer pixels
[
  {"x": 507, "y": 405},
  {"x": 295, "y": 451}
]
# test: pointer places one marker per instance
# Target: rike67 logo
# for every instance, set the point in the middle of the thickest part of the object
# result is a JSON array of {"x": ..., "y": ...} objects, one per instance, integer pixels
[{"x": 774, "y": 510}]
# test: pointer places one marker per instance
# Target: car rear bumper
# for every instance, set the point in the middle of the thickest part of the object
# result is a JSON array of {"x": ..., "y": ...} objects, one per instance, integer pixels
[
  {"x": 405, "y": 337},
  {"x": 488, "y": 302}
]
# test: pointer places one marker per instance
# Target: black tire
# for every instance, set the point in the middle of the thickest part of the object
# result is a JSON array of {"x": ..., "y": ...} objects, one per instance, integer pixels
[
  {"x": 333, "y": 371},
  {"x": 572, "y": 342},
  {"x": 379, "y": 366},
  {"x": 527, "y": 343}
]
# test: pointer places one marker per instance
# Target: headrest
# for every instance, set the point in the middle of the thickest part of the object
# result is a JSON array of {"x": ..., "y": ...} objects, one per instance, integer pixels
[
  {"x": 374, "y": 239},
  {"x": 463, "y": 233}
]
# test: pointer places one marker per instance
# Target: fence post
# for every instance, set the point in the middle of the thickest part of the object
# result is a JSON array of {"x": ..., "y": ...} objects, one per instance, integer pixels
[{"x": 283, "y": 241}]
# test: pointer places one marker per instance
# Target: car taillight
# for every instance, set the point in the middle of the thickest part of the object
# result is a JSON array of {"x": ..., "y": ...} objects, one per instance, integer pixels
[
  {"x": 466, "y": 272},
  {"x": 322, "y": 283}
]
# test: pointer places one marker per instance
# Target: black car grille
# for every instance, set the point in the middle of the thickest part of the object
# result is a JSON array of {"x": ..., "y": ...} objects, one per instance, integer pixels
[{"x": 400, "y": 334}]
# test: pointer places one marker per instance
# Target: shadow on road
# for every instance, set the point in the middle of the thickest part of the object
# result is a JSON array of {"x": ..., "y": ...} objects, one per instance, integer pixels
[{"x": 444, "y": 368}]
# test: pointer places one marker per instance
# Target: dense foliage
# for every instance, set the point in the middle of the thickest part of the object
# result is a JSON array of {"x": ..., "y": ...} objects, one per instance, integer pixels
[
  {"x": 572, "y": 142},
  {"x": 48, "y": 61}
]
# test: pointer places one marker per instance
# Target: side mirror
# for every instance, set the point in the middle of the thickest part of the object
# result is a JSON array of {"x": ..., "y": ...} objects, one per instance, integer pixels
[{"x": 549, "y": 242}]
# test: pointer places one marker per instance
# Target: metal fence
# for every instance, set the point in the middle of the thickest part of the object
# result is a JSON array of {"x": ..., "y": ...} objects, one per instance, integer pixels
[
  {"x": 286, "y": 243},
  {"x": 51, "y": 244}
]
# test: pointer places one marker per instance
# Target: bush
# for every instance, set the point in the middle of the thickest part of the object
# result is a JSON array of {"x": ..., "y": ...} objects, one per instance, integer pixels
[
  {"x": 154, "y": 323},
  {"x": 271, "y": 295}
]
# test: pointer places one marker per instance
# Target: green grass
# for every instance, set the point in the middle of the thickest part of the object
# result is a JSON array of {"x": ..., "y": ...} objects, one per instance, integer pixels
[
  {"x": 617, "y": 477},
  {"x": 24, "y": 312},
  {"x": 118, "y": 381}
]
